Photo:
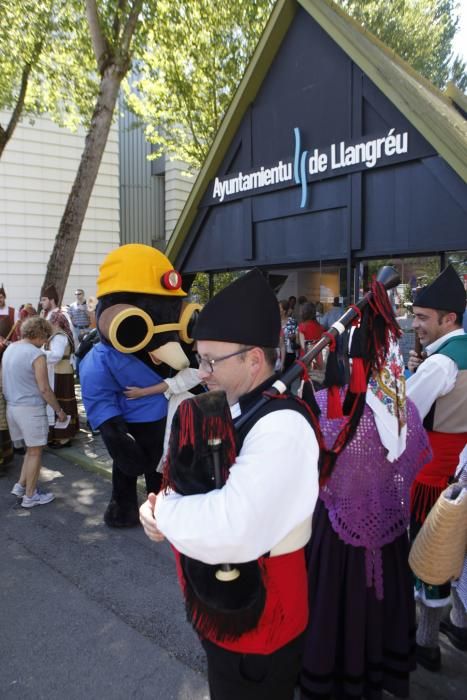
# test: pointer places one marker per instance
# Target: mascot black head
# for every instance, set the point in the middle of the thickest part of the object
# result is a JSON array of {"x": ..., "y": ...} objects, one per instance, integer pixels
[{"x": 141, "y": 309}]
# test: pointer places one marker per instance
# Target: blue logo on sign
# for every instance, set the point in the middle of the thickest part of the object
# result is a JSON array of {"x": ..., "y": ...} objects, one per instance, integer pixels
[{"x": 299, "y": 168}]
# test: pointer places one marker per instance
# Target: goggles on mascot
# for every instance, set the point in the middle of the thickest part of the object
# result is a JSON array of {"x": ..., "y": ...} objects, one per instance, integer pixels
[{"x": 123, "y": 321}]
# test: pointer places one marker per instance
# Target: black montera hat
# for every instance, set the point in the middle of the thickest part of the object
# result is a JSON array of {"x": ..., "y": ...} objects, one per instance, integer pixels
[
  {"x": 445, "y": 293},
  {"x": 51, "y": 293},
  {"x": 245, "y": 312}
]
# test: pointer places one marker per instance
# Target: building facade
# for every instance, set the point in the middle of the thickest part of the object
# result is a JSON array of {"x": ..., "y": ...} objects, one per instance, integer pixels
[
  {"x": 153, "y": 191},
  {"x": 334, "y": 157},
  {"x": 37, "y": 170}
]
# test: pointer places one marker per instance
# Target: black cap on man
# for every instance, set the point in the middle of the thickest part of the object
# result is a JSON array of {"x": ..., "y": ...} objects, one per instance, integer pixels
[
  {"x": 244, "y": 312},
  {"x": 445, "y": 293}
]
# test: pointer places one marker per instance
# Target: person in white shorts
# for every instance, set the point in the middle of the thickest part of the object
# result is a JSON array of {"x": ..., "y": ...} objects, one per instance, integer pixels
[{"x": 27, "y": 391}]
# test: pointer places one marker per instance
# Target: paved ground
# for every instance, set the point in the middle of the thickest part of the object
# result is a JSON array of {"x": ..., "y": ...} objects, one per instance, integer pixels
[
  {"x": 88, "y": 613},
  {"x": 92, "y": 613}
]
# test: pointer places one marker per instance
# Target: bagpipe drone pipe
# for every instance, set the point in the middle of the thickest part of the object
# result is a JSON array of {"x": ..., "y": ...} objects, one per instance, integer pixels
[{"x": 228, "y": 600}]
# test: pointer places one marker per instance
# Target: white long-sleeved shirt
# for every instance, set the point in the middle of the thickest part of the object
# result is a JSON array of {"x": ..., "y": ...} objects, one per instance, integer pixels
[
  {"x": 435, "y": 377},
  {"x": 272, "y": 488},
  {"x": 178, "y": 390},
  {"x": 56, "y": 351},
  {"x": 57, "y": 347}
]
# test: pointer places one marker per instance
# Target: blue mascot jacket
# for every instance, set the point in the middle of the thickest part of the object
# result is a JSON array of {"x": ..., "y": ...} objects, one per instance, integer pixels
[{"x": 104, "y": 375}]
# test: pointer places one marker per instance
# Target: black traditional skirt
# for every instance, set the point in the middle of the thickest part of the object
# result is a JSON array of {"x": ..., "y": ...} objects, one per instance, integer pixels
[
  {"x": 64, "y": 390},
  {"x": 356, "y": 645},
  {"x": 6, "y": 449}
]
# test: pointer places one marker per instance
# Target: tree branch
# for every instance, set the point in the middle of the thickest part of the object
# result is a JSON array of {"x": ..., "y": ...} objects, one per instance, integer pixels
[
  {"x": 100, "y": 44},
  {"x": 6, "y": 134},
  {"x": 130, "y": 26},
  {"x": 120, "y": 11}
]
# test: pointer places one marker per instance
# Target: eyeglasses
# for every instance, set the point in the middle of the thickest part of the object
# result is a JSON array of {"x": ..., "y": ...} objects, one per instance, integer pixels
[{"x": 209, "y": 365}]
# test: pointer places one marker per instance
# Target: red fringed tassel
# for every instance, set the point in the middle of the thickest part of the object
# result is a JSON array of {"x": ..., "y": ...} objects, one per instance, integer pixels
[
  {"x": 358, "y": 383},
  {"x": 384, "y": 324},
  {"x": 187, "y": 424},
  {"x": 304, "y": 375},
  {"x": 358, "y": 317},
  {"x": 334, "y": 406},
  {"x": 332, "y": 381},
  {"x": 422, "y": 499}
]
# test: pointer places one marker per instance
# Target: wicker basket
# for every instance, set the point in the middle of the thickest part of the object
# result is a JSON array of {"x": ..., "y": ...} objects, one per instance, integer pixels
[{"x": 438, "y": 552}]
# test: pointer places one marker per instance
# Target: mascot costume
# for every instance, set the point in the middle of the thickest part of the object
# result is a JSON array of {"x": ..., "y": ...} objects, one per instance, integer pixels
[{"x": 141, "y": 319}]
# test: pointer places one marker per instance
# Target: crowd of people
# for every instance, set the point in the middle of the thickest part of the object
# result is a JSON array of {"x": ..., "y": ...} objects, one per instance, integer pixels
[
  {"x": 302, "y": 325},
  {"x": 38, "y": 404},
  {"x": 323, "y": 494}
]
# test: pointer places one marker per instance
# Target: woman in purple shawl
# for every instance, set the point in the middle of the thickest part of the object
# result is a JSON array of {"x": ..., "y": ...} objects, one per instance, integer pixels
[{"x": 361, "y": 634}]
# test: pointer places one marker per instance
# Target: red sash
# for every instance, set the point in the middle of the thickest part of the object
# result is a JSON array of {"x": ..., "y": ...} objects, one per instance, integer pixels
[
  {"x": 433, "y": 478},
  {"x": 285, "y": 614}
]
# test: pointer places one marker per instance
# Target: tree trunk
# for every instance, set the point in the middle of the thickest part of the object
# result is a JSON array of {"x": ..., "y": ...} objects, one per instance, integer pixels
[{"x": 61, "y": 258}]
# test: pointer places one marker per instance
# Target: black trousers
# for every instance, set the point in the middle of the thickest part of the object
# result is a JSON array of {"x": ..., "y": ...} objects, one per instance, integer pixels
[{"x": 234, "y": 676}]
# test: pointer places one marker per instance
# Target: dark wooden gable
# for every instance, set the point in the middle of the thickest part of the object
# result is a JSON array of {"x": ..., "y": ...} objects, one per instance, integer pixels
[{"x": 406, "y": 204}]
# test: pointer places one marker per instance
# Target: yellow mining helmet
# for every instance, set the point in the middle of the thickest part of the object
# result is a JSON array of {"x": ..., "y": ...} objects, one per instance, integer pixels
[{"x": 138, "y": 268}]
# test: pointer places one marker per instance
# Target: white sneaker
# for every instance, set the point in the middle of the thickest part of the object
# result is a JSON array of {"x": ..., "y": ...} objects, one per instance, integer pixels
[
  {"x": 18, "y": 490},
  {"x": 38, "y": 498}
]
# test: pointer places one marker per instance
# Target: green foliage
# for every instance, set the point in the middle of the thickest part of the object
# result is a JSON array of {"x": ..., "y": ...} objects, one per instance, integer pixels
[
  {"x": 421, "y": 271},
  {"x": 459, "y": 261},
  {"x": 199, "y": 290},
  {"x": 52, "y": 38},
  {"x": 420, "y": 31},
  {"x": 196, "y": 54},
  {"x": 459, "y": 73}
]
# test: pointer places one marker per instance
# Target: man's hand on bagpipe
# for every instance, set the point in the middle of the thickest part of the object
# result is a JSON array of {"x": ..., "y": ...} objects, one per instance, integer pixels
[
  {"x": 148, "y": 520},
  {"x": 416, "y": 356},
  {"x": 415, "y": 360}
]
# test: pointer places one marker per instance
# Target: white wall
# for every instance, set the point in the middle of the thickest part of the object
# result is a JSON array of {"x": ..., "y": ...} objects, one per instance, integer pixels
[
  {"x": 37, "y": 170},
  {"x": 177, "y": 188}
]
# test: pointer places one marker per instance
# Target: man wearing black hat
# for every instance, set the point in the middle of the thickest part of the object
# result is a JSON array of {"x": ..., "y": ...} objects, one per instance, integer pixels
[
  {"x": 49, "y": 303},
  {"x": 438, "y": 387},
  {"x": 265, "y": 507}
]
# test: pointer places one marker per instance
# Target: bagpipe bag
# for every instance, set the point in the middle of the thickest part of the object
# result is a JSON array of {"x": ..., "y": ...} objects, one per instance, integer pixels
[{"x": 224, "y": 608}]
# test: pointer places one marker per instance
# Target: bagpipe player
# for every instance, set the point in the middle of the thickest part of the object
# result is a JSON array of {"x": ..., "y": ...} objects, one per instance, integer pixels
[{"x": 262, "y": 514}]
